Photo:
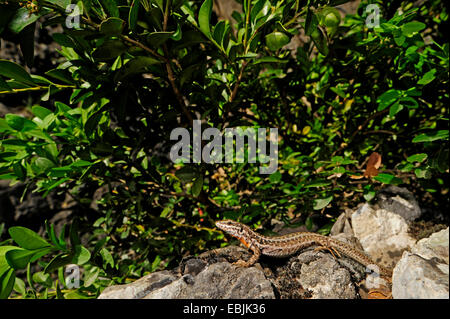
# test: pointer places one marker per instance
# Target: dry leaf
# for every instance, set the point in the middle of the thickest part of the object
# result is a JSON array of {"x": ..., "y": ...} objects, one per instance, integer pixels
[{"x": 373, "y": 164}]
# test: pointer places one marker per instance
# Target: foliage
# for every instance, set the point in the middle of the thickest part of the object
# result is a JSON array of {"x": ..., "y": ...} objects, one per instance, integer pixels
[{"x": 134, "y": 70}]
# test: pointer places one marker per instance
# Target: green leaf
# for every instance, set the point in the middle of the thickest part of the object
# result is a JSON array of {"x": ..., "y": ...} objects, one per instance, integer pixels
[
  {"x": 19, "y": 286},
  {"x": 133, "y": 15},
  {"x": 62, "y": 75},
  {"x": 26, "y": 238},
  {"x": 410, "y": 28},
  {"x": 417, "y": 158},
  {"x": 395, "y": 108},
  {"x": 387, "y": 98},
  {"x": 269, "y": 59},
  {"x": 7, "y": 283},
  {"x": 135, "y": 66},
  {"x": 40, "y": 112},
  {"x": 399, "y": 40},
  {"x": 19, "y": 123},
  {"x": 73, "y": 234},
  {"x": 422, "y": 173},
  {"x": 369, "y": 193},
  {"x": 26, "y": 42},
  {"x": 186, "y": 174},
  {"x": 7, "y": 156},
  {"x": 309, "y": 223},
  {"x": 60, "y": 171},
  {"x": 440, "y": 161},
  {"x": 90, "y": 276},
  {"x": 81, "y": 255},
  {"x": 58, "y": 261},
  {"x": 42, "y": 165},
  {"x": 107, "y": 257},
  {"x": 197, "y": 186},
  {"x": 109, "y": 50},
  {"x": 276, "y": 40},
  {"x": 20, "y": 258},
  {"x": 4, "y": 125},
  {"x": 431, "y": 136},
  {"x": 23, "y": 18},
  {"x": 219, "y": 32},
  {"x": 320, "y": 40},
  {"x": 63, "y": 40},
  {"x": 204, "y": 17},
  {"x": 156, "y": 39},
  {"x": 110, "y": 7},
  {"x": 275, "y": 177},
  {"x": 4, "y": 266},
  {"x": 16, "y": 72},
  {"x": 4, "y": 86},
  {"x": 427, "y": 77},
  {"x": 42, "y": 278},
  {"x": 320, "y": 203},
  {"x": 112, "y": 26},
  {"x": 388, "y": 179},
  {"x": 409, "y": 102},
  {"x": 311, "y": 22},
  {"x": 59, "y": 294}
]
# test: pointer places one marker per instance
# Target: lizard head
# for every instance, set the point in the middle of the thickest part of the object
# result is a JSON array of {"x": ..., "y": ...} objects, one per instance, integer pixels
[{"x": 234, "y": 228}]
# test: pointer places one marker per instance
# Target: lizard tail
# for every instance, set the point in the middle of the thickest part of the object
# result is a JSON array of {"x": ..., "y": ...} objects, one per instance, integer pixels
[{"x": 359, "y": 256}]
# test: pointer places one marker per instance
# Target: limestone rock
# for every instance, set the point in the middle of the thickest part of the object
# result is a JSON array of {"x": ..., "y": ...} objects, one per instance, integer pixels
[
  {"x": 208, "y": 276},
  {"x": 326, "y": 279},
  {"x": 139, "y": 288},
  {"x": 219, "y": 281},
  {"x": 399, "y": 201},
  {"x": 383, "y": 234},
  {"x": 424, "y": 273},
  {"x": 435, "y": 246},
  {"x": 419, "y": 278}
]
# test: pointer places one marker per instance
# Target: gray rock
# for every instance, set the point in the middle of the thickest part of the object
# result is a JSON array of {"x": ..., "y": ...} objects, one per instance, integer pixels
[
  {"x": 424, "y": 273},
  {"x": 208, "y": 276},
  {"x": 399, "y": 201},
  {"x": 435, "y": 246},
  {"x": 139, "y": 288},
  {"x": 419, "y": 278},
  {"x": 219, "y": 281},
  {"x": 326, "y": 279},
  {"x": 342, "y": 225}
]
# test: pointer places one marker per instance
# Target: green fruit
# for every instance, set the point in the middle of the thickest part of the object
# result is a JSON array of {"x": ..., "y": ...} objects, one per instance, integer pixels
[
  {"x": 331, "y": 18},
  {"x": 276, "y": 40}
]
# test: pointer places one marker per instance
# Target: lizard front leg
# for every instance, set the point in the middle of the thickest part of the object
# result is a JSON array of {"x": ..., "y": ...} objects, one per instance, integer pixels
[{"x": 252, "y": 260}]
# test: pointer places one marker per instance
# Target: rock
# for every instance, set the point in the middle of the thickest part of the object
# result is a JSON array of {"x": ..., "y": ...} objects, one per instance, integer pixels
[
  {"x": 424, "y": 273},
  {"x": 399, "y": 201},
  {"x": 342, "y": 224},
  {"x": 219, "y": 281},
  {"x": 139, "y": 288},
  {"x": 198, "y": 279},
  {"x": 416, "y": 277},
  {"x": 435, "y": 246},
  {"x": 326, "y": 279},
  {"x": 383, "y": 234}
]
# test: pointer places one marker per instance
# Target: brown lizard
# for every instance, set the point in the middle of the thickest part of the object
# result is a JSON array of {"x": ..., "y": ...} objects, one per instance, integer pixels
[{"x": 287, "y": 245}]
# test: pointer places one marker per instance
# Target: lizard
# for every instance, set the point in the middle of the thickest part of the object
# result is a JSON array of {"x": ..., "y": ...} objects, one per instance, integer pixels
[{"x": 287, "y": 245}]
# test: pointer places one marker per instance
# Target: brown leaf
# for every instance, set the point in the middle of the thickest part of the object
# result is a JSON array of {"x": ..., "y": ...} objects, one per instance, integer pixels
[{"x": 373, "y": 164}]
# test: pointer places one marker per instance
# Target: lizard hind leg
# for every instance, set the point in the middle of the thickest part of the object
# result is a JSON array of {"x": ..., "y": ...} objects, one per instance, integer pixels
[{"x": 332, "y": 250}]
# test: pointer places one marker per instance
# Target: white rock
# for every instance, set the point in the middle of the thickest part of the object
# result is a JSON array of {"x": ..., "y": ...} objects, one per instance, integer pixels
[
  {"x": 435, "y": 246},
  {"x": 382, "y": 234},
  {"x": 419, "y": 278}
]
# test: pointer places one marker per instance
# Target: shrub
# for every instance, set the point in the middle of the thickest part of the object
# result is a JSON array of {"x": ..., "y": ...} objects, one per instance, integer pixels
[{"x": 131, "y": 71}]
